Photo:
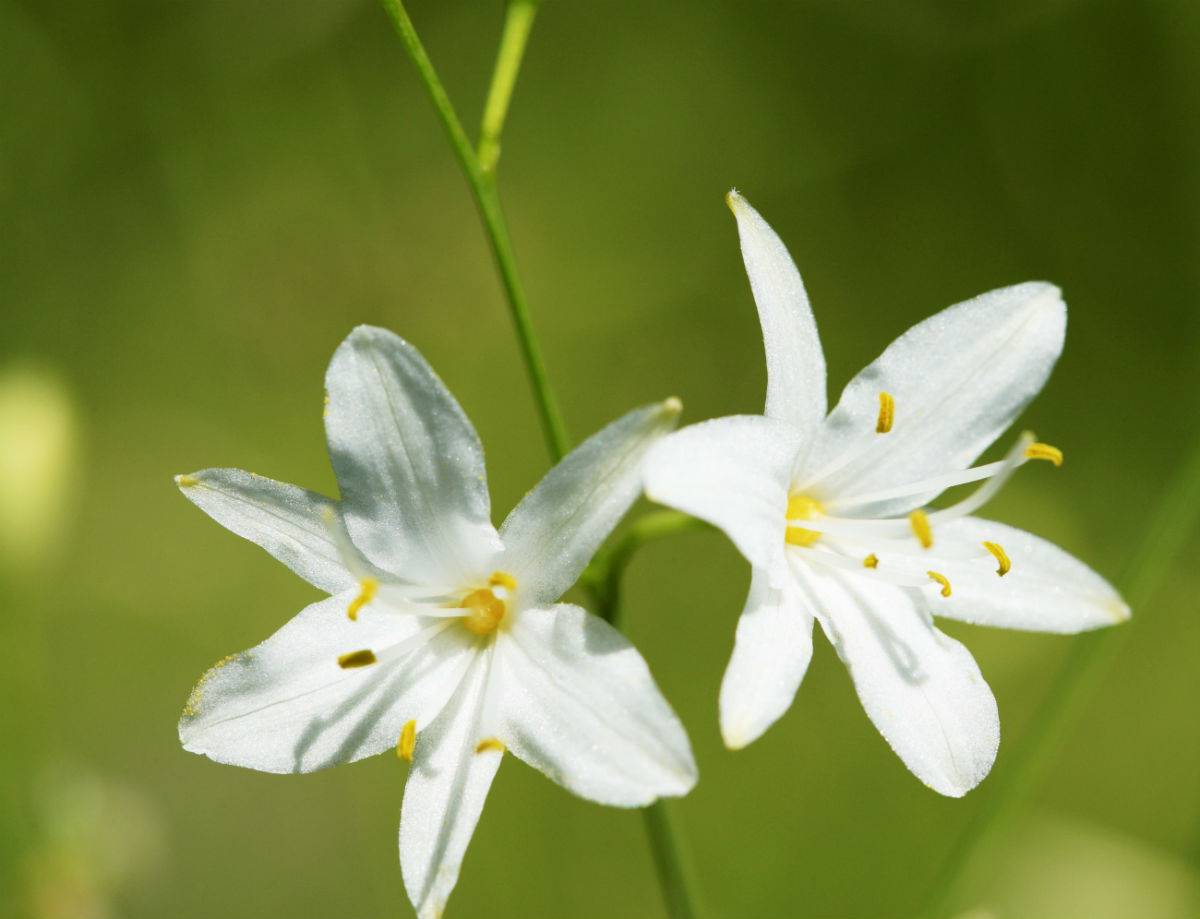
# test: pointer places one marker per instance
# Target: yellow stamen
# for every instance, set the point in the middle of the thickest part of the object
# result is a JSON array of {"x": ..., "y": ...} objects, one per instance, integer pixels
[
  {"x": 363, "y": 658},
  {"x": 367, "y": 588},
  {"x": 186, "y": 481},
  {"x": 921, "y": 528},
  {"x": 799, "y": 536},
  {"x": 871, "y": 561},
  {"x": 802, "y": 507},
  {"x": 502, "y": 579},
  {"x": 1044, "y": 452},
  {"x": 941, "y": 579},
  {"x": 1001, "y": 556},
  {"x": 486, "y": 611},
  {"x": 408, "y": 740},
  {"x": 887, "y": 413},
  {"x": 491, "y": 743}
]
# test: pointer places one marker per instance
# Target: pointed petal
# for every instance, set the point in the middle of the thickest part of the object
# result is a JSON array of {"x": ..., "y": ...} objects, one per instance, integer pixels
[
  {"x": 1046, "y": 590},
  {"x": 408, "y": 462},
  {"x": 580, "y": 705},
  {"x": 552, "y": 534},
  {"x": 770, "y": 656},
  {"x": 958, "y": 380},
  {"x": 734, "y": 473},
  {"x": 444, "y": 795},
  {"x": 286, "y": 705},
  {"x": 283, "y": 519},
  {"x": 922, "y": 689},
  {"x": 795, "y": 363}
]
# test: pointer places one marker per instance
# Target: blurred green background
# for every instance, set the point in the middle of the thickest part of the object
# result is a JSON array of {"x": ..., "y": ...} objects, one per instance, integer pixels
[{"x": 200, "y": 200}]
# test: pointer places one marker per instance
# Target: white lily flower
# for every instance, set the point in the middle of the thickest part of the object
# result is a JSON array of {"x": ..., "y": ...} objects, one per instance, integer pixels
[
  {"x": 442, "y": 638},
  {"x": 828, "y": 511}
]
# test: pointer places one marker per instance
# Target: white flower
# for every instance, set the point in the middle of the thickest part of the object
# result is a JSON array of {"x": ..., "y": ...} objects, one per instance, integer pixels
[
  {"x": 442, "y": 638},
  {"x": 827, "y": 509}
]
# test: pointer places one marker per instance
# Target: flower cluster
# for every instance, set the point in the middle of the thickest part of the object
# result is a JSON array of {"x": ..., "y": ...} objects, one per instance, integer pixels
[{"x": 443, "y": 637}]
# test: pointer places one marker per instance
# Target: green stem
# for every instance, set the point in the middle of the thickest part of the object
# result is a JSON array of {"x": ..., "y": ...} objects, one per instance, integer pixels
[
  {"x": 1174, "y": 521},
  {"x": 487, "y": 200},
  {"x": 518, "y": 20}
]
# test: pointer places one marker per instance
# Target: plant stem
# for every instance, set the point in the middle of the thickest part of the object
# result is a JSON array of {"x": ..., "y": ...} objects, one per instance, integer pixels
[
  {"x": 518, "y": 20},
  {"x": 487, "y": 200},
  {"x": 1175, "y": 520}
]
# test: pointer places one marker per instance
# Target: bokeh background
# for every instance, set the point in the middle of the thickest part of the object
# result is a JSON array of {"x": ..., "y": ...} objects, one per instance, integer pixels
[{"x": 199, "y": 200}]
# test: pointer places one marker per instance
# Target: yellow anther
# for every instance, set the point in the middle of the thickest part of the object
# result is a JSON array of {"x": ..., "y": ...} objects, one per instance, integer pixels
[
  {"x": 1001, "y": 557},
  {"x": 871, "y": 561},
  {"x": 921, "y": 528},
  {"x": 408, "y": 740},
  {"x": 363, "y": 658},
  {"x": 367, "y": 588},
  {"x": 502, "y": 579},
  {"x": 799, "y": 536},
  {"x": 1044, "y": 452},
  {"x": 491, "y": 743},
  {"x": 485, "y": 610},
  {"x": 186, "y": 481},
  {"x": 941, "y": 579},
  {"x": 887, "y": 413}
]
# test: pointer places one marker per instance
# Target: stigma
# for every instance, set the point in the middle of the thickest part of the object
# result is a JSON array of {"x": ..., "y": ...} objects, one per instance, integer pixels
[{"x": 487, "y": 606}]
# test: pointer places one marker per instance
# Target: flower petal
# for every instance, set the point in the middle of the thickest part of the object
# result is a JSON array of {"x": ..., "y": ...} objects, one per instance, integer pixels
[
  {"x": 795, "y": 363},
  {"x": 957, "y": 380},
  {"x": 1046, "y": 590},
  {"x": 770, "y": 656},
  {"x": 922, "y": 689},
  {"x": 445, "y": 792},
  {"x": 408, "y": 462},
  {"x": 287, "y": 706},
  {"x": 734, "y": 473},
  {"x": 580, "y": 705},
  {"x": 556, "y": 528},
  {"x": 283, "y": 519}
]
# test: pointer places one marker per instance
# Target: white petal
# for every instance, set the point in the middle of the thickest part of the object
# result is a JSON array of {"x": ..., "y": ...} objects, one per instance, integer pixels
[
  {"x": 286, "y": 705},
  {"x": 958, "y": 379},
  {"x": 795, "y": 363},
  {"x": 556, "y": 528},
  {"x": 734, "y": 473},
  {"x": 444, "y": 795},
  {"x": 1046, "y": 590},
  {"x": 770, "y": 655},
  {"x": 283, "y": 519},
  {"x": 408, "y": 462},
  {"x": 922, "y": 689},
  {"x": 580, "y": 705}
]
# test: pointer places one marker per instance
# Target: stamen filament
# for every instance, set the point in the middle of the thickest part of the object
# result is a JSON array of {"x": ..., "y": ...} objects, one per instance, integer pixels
[{"x": 984, "y": 494}]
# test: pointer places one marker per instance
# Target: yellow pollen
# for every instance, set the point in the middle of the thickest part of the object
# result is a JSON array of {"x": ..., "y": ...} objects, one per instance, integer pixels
[
  {"x": 887, "y": 412},
  {"x": 192, "y": 707},
  {"x": 186, "y": 481},
  {"x": 367, "y": 589},
  {"x": 502, "y": 579},
  {"x": 485, "y": 610},
  {"x": 921, "y": 528},
  {"x": 941, "y": 579},
  {"x": 1044, "y": 452},
  {"x": 408, "y": 740},
  {"x": 871, "y": 561},
  {"x": 363, "y": 658},
  {"x": 1001, "y": 556},
  {"x": 491, "y": 743}
]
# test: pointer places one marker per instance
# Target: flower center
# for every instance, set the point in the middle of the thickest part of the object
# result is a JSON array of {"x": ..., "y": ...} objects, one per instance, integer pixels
[
  {"x": 487, "y": 606},
  {"x": 802, "y": 507}
]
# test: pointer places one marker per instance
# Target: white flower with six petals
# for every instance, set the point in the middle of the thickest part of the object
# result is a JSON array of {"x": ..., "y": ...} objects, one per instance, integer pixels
[
  {"x": 829, "y": 512},
  {"x": 442, "y": 637}
]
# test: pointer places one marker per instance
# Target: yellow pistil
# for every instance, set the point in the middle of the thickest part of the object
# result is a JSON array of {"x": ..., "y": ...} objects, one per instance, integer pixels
[
  {"x": 921, "y": 528},
  {"x": 802, "y": 507},
  {"x": 363, "y": 658},
  {"x": 871, "y": 561},
  {"x": 887, "y": 413},
  {"x": 408, "y": 740},
  {"x": 1001, "y": 557},
  {"x": 941, "y": 579},
  {"x": 485, "y": 609},
  {"x": 490, "y": 743},
  {"x": 1046, "y": 452},
  {"x": 367, "y": 588}
]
